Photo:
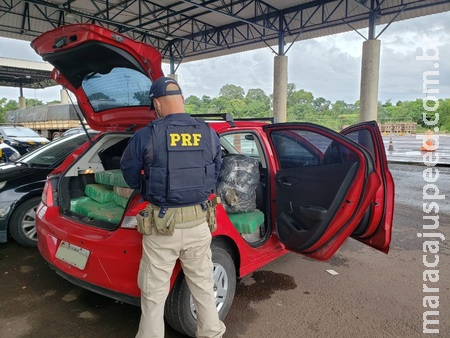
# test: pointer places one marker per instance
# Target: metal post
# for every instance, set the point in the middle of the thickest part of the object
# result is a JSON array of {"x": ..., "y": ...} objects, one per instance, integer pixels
[
  {"x": 172, "y": 61},
  {"x": 22, "y": 101}
]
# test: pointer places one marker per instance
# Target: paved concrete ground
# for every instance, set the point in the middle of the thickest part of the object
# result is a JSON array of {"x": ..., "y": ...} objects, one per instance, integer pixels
[
  {"x": 373, "y": 295},
  {"x": 406, "y": 148}
]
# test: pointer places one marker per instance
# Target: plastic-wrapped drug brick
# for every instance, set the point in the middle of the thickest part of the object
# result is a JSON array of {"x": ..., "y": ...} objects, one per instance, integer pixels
[
  {"x": 99, "y": 192},
  {"x": 112, "y": 215},
  {"x": 237, "y": 182}
]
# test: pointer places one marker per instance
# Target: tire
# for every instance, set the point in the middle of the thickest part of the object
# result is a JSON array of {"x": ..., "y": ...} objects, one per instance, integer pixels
[
  {"x": 22, "y": 225},
  {"x": 180, "y": 310}
]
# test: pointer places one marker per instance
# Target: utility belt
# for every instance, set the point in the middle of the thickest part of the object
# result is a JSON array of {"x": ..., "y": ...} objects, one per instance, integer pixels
[{"x": 164, "y": 220}]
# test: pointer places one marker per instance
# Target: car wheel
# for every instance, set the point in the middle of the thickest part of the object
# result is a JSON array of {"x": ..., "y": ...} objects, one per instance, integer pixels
[
  {"x": 22, "y": 225},
  {"x": 180, "y": 311}
]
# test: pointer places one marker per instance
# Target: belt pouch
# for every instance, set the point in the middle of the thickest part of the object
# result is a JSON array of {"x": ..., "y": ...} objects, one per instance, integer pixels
[
  {"x": 166, "y": 225},
  {"x": 144, "y": 221}
]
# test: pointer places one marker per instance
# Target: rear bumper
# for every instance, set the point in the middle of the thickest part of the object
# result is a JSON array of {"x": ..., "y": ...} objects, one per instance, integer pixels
[
  {"x": 113, "y": 262},
  {"x": 98, "y": 289}
]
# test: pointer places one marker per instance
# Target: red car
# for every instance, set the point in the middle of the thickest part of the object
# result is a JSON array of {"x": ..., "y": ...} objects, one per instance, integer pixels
[{"x": 316, "y": 187}]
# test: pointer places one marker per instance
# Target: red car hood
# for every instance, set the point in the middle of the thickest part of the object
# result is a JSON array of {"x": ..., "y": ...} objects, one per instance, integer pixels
[{"x": 109, "y": 73}]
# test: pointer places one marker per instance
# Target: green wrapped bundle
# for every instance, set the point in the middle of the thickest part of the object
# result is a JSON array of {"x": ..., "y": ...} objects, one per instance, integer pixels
[
  {"x": 111, "y": 177},
  {"x": 76, "y": 202},
  {"x": 103, "y": 177},
  {"x": 119, "y": 200},
  {"x": 99, "y": 192},
  {"x": 247, "y": 222},
  {"x": 116, "y": 178},
  {"x": 112, "y": 215},
  {"x": 84, "y": 205}
]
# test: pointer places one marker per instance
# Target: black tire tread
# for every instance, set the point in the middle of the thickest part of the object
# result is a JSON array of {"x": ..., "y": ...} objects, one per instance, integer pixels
[{"x": 17, "y": 216}]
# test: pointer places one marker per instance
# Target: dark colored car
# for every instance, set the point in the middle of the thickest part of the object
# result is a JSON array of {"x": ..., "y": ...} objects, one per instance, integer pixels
[
  {"x": 21, "y": 138},
  {"x": 21, "y": 184},
  {"x": 73, "y": 131}
]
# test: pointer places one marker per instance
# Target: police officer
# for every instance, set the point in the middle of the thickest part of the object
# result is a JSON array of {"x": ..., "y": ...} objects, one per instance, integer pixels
[{"x": 181, "y": 159}]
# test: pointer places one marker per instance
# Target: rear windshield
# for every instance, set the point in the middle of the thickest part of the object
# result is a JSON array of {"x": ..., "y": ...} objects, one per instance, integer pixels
[
  {"x": 20, "y": 132},
  {"x": 121, "y": 87}
]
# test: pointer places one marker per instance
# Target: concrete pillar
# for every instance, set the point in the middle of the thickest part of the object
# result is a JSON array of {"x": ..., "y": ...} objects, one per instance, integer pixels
[
  {"x": 64, "y": 96},
  {"x": 22, "y": 102},
  {"x": 173, "y": 76},
  {"x": 280, "y": 81},
  {"x": 370, "y": 73}
]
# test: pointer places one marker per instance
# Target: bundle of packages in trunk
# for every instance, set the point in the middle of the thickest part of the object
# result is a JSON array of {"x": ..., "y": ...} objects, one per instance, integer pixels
[
  {"x": 237, "y": 182},
  {"x": 111, "y": 177}
]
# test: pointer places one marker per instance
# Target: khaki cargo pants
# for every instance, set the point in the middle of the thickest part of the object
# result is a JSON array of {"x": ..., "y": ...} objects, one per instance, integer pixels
[{"x": 159, "y": 255}]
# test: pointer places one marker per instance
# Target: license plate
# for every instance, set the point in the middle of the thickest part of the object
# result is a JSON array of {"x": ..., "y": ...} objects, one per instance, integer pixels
[{"x": 72, "y": 254}]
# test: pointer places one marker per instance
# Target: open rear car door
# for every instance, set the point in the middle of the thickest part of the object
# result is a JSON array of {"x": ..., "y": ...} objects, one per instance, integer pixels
[
  {"x": 324, "y": 184},
  {"x": 376, "y": 226}
]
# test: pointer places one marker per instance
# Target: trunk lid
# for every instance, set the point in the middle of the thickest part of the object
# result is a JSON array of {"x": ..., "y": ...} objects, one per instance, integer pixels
[{"x": 109, "y": 74}]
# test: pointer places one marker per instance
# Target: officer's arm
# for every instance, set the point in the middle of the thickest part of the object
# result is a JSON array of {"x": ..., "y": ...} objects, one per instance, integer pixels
[{"x": 132, "y": 161}]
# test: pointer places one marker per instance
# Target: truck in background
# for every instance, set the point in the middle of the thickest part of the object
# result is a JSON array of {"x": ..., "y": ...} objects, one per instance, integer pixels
[{"x": 49, "y": 120}]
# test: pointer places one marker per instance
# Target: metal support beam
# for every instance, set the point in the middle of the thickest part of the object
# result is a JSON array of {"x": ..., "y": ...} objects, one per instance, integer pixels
[{"x": 372, "y": 20}]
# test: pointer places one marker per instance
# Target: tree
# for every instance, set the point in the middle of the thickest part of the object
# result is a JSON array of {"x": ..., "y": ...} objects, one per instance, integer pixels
[
  {"x": 6, "y": 106},
  {"x": 141, "y": 97},
  {"x": 101, "y": 96},
  {"x": 194, "y": 105},
  {"x": 54, "y": 102},
  {"x": 33, "y": 102},
  {"x": 232, "y": 92},
  {"x": 206, "y": 99},
  {"x": 321, "y": 104},
  {"x": 257, "y": 95}
]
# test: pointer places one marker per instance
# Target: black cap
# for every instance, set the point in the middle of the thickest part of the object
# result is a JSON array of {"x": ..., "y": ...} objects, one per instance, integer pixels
[{"x": 159, "y": 88}]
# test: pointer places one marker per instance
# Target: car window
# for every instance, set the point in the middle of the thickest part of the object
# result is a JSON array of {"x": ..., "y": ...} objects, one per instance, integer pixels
[
  {"x": 243, "y": 143},
  {"x": 300, "y": 148},
  {"x": 294, "y": 151},
  {"x": 20, "y": 132},
  {"x": 53, "y": 153},
  {"x": 364, "y": 138},
  {"x": 121, "y": 87}
]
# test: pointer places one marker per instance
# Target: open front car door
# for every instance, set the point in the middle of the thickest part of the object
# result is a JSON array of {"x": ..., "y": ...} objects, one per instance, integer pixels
[
  {"x": 376, "y": 226},
  {"x": 324, "y": 184}
]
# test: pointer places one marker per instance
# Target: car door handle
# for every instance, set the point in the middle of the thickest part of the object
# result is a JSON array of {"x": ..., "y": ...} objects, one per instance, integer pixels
[{"x": 288, "y": 182}]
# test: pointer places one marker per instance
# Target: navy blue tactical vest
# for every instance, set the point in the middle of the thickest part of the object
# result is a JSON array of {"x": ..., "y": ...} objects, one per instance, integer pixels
[{"x": 182, "y": 172}]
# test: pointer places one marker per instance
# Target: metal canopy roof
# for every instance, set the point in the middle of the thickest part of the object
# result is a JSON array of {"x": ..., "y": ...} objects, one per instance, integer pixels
[
  {"x": 187, "y": 30},
  {"x": 25, "y": 74}
]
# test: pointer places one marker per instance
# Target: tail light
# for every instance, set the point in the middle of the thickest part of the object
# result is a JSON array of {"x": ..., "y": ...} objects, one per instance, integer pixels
[
  {"x": 129, "y": 220},
  {"x": 47, "y": 194},
  {"x": 50, "y": 194}
]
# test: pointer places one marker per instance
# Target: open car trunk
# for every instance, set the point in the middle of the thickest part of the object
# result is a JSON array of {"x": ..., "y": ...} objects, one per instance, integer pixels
[{"x": 93, "y": 190}]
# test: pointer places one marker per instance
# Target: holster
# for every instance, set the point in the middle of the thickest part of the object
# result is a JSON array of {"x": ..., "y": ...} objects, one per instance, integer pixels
[
  {"x": 211, "y": 213},
  {"x": 145, "y": 220}
]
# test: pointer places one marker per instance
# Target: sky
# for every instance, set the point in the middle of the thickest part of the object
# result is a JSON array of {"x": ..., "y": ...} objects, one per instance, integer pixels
[{"x": 328, "y": 67}]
